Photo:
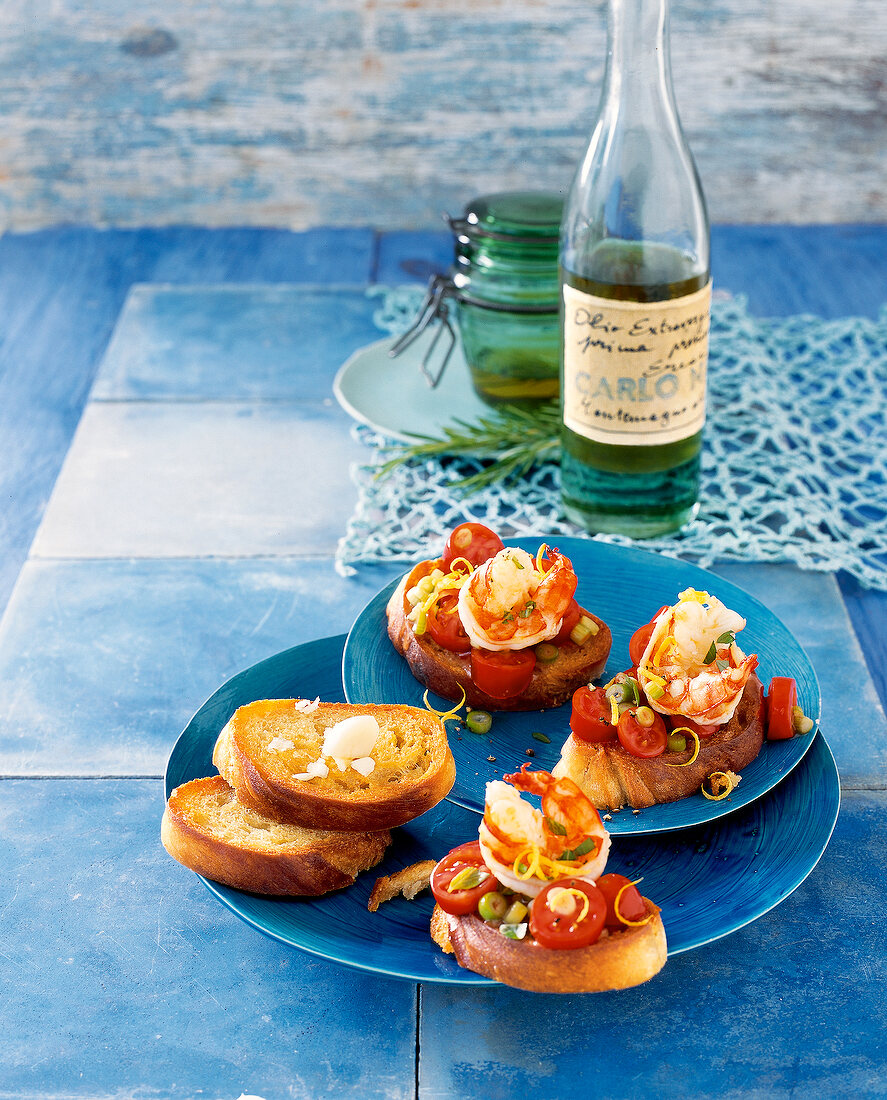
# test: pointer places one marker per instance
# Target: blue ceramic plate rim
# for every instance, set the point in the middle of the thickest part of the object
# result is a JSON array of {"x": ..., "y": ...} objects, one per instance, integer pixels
[
  {"x": 792, "y": 827},
  {"x": 373, "y": 672}
]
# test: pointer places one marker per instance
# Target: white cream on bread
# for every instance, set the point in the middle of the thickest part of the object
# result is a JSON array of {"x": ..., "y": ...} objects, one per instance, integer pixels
[{"x": 349, "y": 744}]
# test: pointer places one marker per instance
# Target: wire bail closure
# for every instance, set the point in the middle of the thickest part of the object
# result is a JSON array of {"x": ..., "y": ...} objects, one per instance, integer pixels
[
  {"x": 433, "y": 308},
  {"x": 500, "y": 298}
]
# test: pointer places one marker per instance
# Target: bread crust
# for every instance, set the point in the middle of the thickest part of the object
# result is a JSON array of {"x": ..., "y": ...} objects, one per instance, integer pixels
[
  {"x": 445, "y": 672},
  {"x": 204, "y": 830},
  {"x": 263, "y": 784},
  {"x": 409, "y": 881},
  {"x": 612, "y": 778},
  {"x": 617, "y": 961}
]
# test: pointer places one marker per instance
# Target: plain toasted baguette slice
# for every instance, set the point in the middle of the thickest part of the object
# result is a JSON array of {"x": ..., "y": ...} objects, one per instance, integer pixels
[
  {"x": 414, "y": 768},
  {"x": 612, "y": 778},
  {"x": 445, "y": 672},
  {"x": 618, "y": 960},
  {"x": 208, "y": 830}
]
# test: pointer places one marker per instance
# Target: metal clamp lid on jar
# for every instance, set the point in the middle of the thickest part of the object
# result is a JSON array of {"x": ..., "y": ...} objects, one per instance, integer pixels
[
  {"x": 522, "y": 218},
  {"x": 433, "y": 308}
]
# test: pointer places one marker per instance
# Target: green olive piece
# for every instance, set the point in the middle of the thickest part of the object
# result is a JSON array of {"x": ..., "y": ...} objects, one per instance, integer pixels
[{"x": 492, "y": 906}]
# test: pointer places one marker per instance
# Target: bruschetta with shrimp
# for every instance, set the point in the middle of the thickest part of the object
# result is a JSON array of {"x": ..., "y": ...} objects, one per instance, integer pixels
[
  {"x": 497, "y": 624},
  {"x": 528, "y": 903},
  {"x": 686, "y": 718}
]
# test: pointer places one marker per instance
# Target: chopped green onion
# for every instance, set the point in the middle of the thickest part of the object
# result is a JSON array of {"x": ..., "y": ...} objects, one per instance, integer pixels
[
  {"x": 654, "y": 691},
  {"x": 529, "y": 608},
  {"x": 556, "y": 827},
  {"x": 513, "y": 931},
  {"x": 676, "y": 742},
  {"x": 421, "y": 622},
  {"x": 546, "y": 652},
  {"x": 582, "y": 850},
  {"x": 541, "y": 737},
  {"x": 583, "y": 630},
  {"x": 626, "y": 691},
  {"x": 516, "y": 913},
  {"x": 479, "y": 721},
  {"x": 467, "y": 879}
]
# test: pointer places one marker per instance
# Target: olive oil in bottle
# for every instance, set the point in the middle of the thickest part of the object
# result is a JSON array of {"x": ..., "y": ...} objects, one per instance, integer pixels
[{"x": 636, "y": 294}]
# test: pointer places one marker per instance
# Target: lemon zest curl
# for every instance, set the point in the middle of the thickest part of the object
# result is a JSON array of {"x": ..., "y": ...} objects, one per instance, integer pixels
[{"x": 722, "y": 784}]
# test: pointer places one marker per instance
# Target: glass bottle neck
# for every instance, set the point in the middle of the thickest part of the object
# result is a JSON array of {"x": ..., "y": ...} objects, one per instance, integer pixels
[{"x": 638, "y": 73}]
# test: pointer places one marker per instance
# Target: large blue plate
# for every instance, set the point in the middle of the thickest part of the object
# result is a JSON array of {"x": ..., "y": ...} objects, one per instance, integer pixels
[
  {"x": 709, "y": 880},
  {"x": 625, "y": 587}
]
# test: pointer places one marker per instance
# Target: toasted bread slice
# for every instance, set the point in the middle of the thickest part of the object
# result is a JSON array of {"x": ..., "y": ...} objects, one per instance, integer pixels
[
  {"x": 205, "y": 828},
  {"x": 414, "y": 768},
  {"x": 618, "y": 960},
  {"x": 612, "y": 778},
  {"x": 445, "y": 672}
]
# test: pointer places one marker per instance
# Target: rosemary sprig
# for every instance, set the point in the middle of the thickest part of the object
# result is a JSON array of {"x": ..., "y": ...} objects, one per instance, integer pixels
[{"x": 514, "y": 439}]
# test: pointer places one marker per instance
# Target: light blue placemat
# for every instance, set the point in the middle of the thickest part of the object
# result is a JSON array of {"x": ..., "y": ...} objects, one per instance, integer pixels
[{"x": 794, "y": 466}]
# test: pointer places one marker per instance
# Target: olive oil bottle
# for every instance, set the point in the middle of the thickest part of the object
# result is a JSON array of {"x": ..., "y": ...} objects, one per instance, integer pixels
[{"x": 635, "y": 298}]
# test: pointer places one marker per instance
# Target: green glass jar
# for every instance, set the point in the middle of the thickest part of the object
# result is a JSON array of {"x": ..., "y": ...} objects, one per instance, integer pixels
[{"x": 506, "y": 284}]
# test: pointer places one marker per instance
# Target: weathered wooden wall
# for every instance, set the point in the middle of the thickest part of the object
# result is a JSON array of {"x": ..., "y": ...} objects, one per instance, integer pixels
[{"x": 386, "y": 112}]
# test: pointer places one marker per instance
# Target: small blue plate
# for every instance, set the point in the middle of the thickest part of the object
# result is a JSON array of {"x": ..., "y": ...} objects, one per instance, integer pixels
[
  {"x": 709, "y": 881},
  {"x": 625, "y": 587},
  {"x": 392, "y": 396}
]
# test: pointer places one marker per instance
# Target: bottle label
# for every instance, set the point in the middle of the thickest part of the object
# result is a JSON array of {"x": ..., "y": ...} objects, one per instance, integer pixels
[{"x": 634, "y": 372}]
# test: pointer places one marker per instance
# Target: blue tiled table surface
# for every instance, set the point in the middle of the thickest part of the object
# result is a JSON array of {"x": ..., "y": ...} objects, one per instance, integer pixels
[{"x": 174, "y": 474}]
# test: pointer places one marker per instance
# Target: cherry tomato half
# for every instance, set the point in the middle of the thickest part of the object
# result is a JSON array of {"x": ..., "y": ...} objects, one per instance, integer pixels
[
  {"x": 640, "y": 740},
  {"x": 445, "y": 626},
  {"x": 459, "y": 902},
  {"x": 590, "y": 719},
  {"x": 502, "y": 674},
  {"x": 471, "y": 541},
  {"x": 782, "y": 696},
  {"x": 571, "y": 617},
  {"x": 641, "y": 638},
  {"x": 551, "y": 926},
  {"x": 676, "y": 722},
  {"x": 631, "y": 904}
]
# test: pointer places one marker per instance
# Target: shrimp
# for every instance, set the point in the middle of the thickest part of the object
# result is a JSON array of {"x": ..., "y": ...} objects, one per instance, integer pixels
[
  {"x": 692, "y": 666},
  {"x": 527, "y": 848},
  {"x": 508, "y": 603}
]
